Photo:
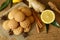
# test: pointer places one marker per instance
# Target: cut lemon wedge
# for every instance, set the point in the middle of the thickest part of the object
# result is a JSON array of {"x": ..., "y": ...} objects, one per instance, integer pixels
[
  {"x": 47, "y": 16},
  {"x": 16, "y": 1}
]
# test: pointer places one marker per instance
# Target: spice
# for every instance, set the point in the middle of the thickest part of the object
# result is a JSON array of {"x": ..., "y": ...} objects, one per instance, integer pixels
[
  {"x": 37, "y": 28},
  {"x": 37, "y": 6},
  {"x": 25, "y": 34},
  {"x": 47, "y": 27},
  {"x": 4, "y": 17},
  {"x": 53, "y": 6},
  {"x": 4, "y": 5},
  {"x": 10, "y": 32},
  {"x": 37, "y": 19},
  {"x": 55, "y": 23}
]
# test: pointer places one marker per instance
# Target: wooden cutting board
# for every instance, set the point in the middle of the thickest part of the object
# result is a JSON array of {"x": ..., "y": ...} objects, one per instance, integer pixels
[{"x": 54, "y": 32}]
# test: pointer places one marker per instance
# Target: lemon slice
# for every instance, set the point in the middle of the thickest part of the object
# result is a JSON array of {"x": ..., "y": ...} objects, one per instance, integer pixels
[
  {"x": 16, "y": 1},
  {"x": 47, "y": 16}
]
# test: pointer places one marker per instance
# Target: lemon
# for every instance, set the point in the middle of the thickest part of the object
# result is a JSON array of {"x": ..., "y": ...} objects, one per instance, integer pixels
[
  {"x": 47, "y": 16},
  {"x": 16, "y": 1}
]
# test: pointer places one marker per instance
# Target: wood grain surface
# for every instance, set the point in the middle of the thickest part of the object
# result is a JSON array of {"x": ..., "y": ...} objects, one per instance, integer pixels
[{"x": 54, "y": 32}]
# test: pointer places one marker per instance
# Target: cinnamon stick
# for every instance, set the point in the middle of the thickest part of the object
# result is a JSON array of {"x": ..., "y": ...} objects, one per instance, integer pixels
[
  {"x": 37, "y": 28},
  {"x": 37, "y": 19},
  {"x": 53, "y": 6}
]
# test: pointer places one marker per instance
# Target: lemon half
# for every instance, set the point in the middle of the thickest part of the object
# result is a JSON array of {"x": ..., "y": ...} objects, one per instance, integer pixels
[
  {"x": 47, "y": 16},
  {"x": 16, "y": 1}
]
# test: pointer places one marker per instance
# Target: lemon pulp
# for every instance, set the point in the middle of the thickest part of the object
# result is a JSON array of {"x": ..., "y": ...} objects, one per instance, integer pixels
[
  {"x": 47, "y": 16},
  {"x": 16, "y": 1}
]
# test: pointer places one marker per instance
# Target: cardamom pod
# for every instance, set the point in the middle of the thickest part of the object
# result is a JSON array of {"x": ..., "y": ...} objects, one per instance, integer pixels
[
  {"x": 55, "y": 23},
  {"x": 4, "y": 5},
  {"x": 47, "y": 27}
]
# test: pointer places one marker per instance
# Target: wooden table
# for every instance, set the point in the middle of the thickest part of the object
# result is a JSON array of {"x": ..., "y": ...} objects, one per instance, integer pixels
[{"x": 54, "y": 32}]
